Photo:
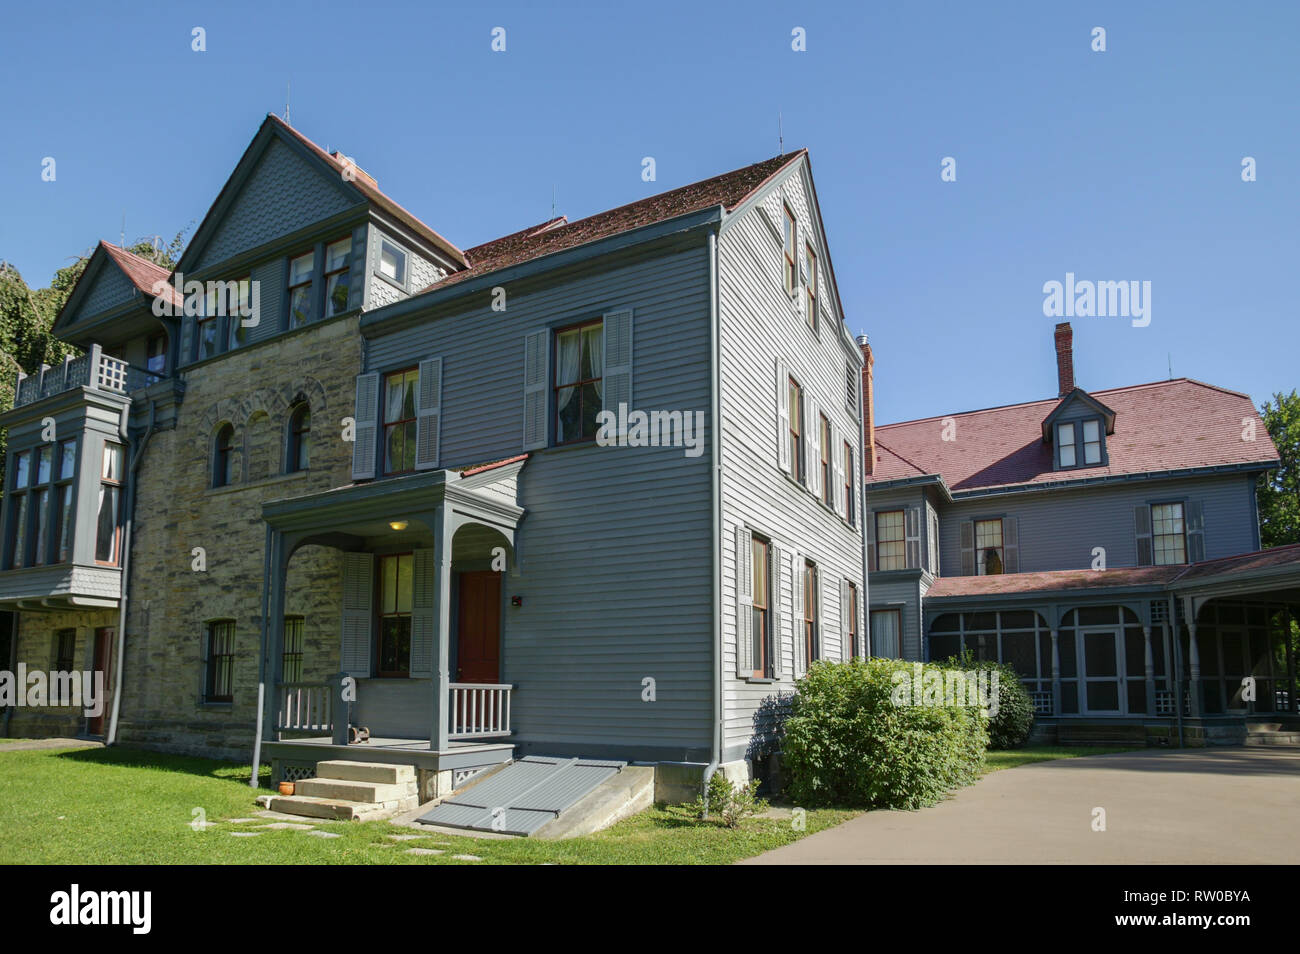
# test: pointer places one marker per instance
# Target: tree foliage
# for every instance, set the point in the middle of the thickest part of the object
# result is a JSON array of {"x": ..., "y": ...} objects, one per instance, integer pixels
[{"x": 1279, "y": 491}]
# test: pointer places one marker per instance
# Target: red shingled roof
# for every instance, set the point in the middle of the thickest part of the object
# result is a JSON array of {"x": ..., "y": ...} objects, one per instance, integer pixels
[
  {"x": 728, "y": 190},
  {"x": 1167, "y": 425},
  {"x": 143, "y": 273}
]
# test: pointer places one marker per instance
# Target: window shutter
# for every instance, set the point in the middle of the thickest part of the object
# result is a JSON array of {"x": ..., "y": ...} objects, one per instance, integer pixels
[
  {"x": 1142, "y": 522},
  {"x": 424, "y": 621},
  {"x": 819, "y": 632},
  {"x": 783, "y": 416},
  {"x": 912, "y": 537},
  {"x": 837, "y": 470},
  {"x": 1010, "y": 544},
  {"x": 1195, "y": 531},
  {"x": 967, "y": 548},
  {"x": 358, "y": 590},
  {"x": 846, "y": 651},
  {"x": 813, "y": 442},
  {"x": 618, "y": 360},
  {"x": 365, "y": 431},
  {"x": 797, "y": 613},
  {"x": 776, "y": 600},
  {"x": 934, "y": 542},
  {"x": 869, "y": 523},
  {"x": 428, "y": 415},
  {"x": 537, "y": 367},
  {"x": 744, "y": 603}
]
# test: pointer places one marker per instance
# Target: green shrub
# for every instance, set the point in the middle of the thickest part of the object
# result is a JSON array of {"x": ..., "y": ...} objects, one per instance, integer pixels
[
  {"x": 1009, "y": 728},
  {"x": 846, "y": 742},
  {"x": 727, "y": 801}
]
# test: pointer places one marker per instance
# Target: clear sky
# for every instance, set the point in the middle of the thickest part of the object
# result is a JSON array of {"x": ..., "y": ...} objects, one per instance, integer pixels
[{"x": 1116, "y": 165}]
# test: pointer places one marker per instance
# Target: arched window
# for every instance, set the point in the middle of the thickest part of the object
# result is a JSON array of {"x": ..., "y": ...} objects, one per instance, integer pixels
[
  {"x": 299, "y": 454},
  {"x": 222, "y": 453}
]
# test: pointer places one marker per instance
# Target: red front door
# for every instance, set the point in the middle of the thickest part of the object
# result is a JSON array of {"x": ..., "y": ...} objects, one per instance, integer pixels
[
  {"x": 103, "y": 662},
  {"x": 478, "y": 627}
]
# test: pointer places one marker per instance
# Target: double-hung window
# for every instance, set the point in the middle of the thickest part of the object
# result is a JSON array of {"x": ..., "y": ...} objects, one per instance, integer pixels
[
  {"x": 239, "y": 304},
  {"x": 337, "y": 276},
  {"x": 788, "y": 250},
  {"x": 302, "y": 270},
  {"x": 989, "y": 550},
  {"x": 810, "y": 288},
  {"x": 18, "y": 508},
  {"x": 299, "y": 450},
  {"x": 1092, "y": 442},
  {"x": 891, "y": 543},
  {"x": 886, "y": 633},
  {"x": 223, "y": 456},
  {"x": 579, "y": 381},
  {"x": 395, "y": 580},
  {"x": 827, "y": 452},
  {"x": 852, "y": 627},
  {"x": 41, "y": 504},
  {"x": 1078, "y": 444},
  {"x": 63, "y": 500},
  {"x": 762, "y": 636},
  {"x": 108, "y": 533},
  {"x": 811, "y": 637},
  {"x": 850, "y": 505},
  {"x": 65, "y": 650},
  {"x": 1168, "y": 534},
  {"x": 291, "y": 660},
  {"x": 220, "y": 681},
  {"x": 392, "y": 262},
  {"x": 795, "y": 404},
  {"x": 399, "y": 420}
]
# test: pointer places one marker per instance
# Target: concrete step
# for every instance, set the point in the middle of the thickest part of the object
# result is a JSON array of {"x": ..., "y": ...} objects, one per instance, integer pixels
[
  {"x": 379, "y": 772},
  {"x": 1273, "y": 738},
  {"x": 339, "y": 809},
  {"x": 371, "y": 792}
]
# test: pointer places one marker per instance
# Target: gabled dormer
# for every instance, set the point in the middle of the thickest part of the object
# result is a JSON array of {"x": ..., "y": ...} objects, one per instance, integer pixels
[{"x": 1077, "y": 429}]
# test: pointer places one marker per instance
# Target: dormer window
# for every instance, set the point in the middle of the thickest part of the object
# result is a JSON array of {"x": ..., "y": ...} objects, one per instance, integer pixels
[
  {"x": 1065, "y": 444},
  {"x": 1079, "y": 443},
  {"x": 1092, "y": 442}
]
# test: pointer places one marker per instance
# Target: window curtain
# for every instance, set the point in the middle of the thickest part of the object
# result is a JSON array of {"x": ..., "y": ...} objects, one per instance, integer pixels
[
  {"x": 884, "y": 634},
  {"x": 570, "y": 356},
  {"x": 594, "y": 344}
]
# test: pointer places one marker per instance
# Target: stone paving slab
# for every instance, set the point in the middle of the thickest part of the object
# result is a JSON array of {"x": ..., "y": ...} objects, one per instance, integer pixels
[{"x": 26, "y": 745}]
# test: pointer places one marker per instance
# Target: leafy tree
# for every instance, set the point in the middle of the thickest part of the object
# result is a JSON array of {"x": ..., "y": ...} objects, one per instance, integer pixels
[{"x": 1279, "y": 491}]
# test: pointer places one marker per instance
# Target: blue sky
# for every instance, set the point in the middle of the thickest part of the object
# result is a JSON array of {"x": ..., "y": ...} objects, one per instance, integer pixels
[{"x": 1122, "y": 165}]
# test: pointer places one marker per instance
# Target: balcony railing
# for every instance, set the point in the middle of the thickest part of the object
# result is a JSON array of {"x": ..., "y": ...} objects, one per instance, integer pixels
[
  {"x": 305, "y": 707},
  {"x": 479, "y": 710},
  {"x": 94, "y": 369}
]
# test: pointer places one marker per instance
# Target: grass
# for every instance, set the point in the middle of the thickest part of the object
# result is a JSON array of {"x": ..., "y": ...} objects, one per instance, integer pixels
[
  {"x": 121, "y": 806},
  {"x": 125, "y": 806}
]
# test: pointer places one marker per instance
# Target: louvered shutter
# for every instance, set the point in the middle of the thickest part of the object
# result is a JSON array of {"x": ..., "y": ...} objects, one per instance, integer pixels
[
  {"x": 912, "y": 537},
  {"x": 365, "y": 431},
  {"x": 618, "y": 360},
  {"x": 869, "y": 522},
  {"x": 424, "y": 621},
  {"x": 797, "y": 628},
  {"x": 537, "y": 366},
  {"x": 1142, "y": 525},
  {"x": 776, "y": 602},
  {"x": 744, "y": 603},
  {"x": 357, "y": 613},
  {"x": 1010, "y": 544},
  {"x": 967, "y": 548},
  {"x": 783, "y": 416},
  {"x": 846, "y": 651},
  {"x": 1195, "y": 531},
  {"x": 837, "y": 469},
  {"x": 428, "y": 415},
  {"x": 813, "y": 425}
]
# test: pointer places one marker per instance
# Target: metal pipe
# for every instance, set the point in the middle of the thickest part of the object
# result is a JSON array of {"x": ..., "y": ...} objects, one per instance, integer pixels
[{"x": 715, "y": 450}]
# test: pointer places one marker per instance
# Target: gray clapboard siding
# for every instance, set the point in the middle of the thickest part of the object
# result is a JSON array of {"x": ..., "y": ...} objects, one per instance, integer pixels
[{"x": 901, "y": 594}]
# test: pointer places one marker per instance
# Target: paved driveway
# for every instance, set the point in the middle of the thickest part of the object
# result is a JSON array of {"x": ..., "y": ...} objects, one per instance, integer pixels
[{"x": 1189, "y": 806}]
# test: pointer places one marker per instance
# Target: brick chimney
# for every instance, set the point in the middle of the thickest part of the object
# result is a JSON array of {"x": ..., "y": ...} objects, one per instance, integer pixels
[
  {"x": 1065, "y": 358},
  {"x": 868, "y": 404}
]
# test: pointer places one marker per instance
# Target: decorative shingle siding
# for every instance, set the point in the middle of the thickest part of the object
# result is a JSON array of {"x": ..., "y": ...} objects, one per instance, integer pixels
[{"x": 110, "y": 289}]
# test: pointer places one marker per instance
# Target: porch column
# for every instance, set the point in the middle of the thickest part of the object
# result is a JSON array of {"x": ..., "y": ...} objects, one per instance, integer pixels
[
  {"x": 1150, "y": 661},
  {"x": 278, "y": 569},
  {"x": 1056, "y": 674},
  {"x": 442, "y": 629},
  {"x": 1194, "y": 666},
  {"x": 1288, "y": 614}
]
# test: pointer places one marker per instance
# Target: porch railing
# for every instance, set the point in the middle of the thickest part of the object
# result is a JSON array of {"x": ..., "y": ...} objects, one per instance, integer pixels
[
  {"x": 1042, "y": 702},
  {"x": 94, "y": 369},
  {"x": 479, "y": 710},
  {"x": 305, "y": 707}
]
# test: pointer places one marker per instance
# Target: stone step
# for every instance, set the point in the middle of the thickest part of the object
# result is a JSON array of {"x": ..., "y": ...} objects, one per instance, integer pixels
[
  {"x": 339, "y": 809},
  {"x": 366, "y": 771},
  {"x": 1273, "y": 738},
  {"x": 368, "y": 792}
]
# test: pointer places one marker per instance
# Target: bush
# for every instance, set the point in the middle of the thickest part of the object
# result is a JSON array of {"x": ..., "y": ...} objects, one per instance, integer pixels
[
  {"x": 846, "y": 742},
  {"x": 728, "y": 802},
  {"x": 1010, "y": 727}
]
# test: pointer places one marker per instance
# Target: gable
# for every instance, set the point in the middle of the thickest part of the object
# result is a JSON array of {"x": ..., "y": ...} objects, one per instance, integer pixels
[
  {"x": 108, "y": 289},
  {"x": 283, "y": 192},
  {"x": 1077, "y": 405}
]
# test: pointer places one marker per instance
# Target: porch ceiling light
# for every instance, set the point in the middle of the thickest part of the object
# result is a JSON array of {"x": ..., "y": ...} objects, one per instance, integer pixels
[{"x": 397, "y": 524}]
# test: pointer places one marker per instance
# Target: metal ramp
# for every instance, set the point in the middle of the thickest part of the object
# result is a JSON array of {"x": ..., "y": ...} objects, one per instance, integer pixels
[{"x": 523, "y": 796}]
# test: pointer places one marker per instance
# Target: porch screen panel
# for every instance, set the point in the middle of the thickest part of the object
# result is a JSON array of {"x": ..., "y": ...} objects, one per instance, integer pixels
[
  {"x": 424, "y": 618},
  {"x": 357, "y": 613}
]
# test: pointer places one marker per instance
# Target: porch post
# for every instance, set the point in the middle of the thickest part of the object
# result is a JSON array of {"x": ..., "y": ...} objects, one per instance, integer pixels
[
  {"x": 1193, "y": 659},
  {"x": 1288, "y": 613},
  {"x": 278, "y": 566},
  {"x": 1150, "y": 661},
  {"x": 1056, "y": 674},
  {"x": 442, "y": 629}
]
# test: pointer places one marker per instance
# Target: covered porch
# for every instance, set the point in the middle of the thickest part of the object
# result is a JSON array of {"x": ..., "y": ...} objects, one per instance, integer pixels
[{"x": 421, "y": 610}]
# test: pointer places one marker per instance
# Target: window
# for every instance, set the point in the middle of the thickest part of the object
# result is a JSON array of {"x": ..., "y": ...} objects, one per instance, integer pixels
[
  {"x": 395, "y": 576},
  {"x": 206, "y": 332},
  {"x": 886, "y": 632},
  {"x": 299, "y": 438},
  {"x": 891, "y": 543},
  {"x": 22, "y": 462},
  {"x": 788, "y": 250},
  {"x": 1065, "y": 444},
  {"x": 44, "y": 459},
  {"x": 989, "y": 553},
  {"x": 850, "y": 505},
  {"x": 392, "y": 262},
  {"x": 107, "y": 532},
  {"x": 337, "y": 281},
  {"x": 301, "y": 272},
  {"x": 291, "y": 661},
  {"x": 852, "y": 627},
  {"x": 399, "y": 421},
  {"x": 762, "y": 637},
  {"x": 220, "y": 682},
  {"x": 156, "y": 355},
  {"x": 579, "y": 381},
  {"x": 810, "y": 289},
  {"x": 1168, "y": 534},
  {"x": 1092, "y": 442},
  {"x": 22, "y": 468},
  {"x": 795, "y": 403},
  {"x": 41, "y": 504},
  {"x": 827, "y": 475},
  {"x": 810, "y": 620},
  {"x": 223, "y": 456},
  {"x": 65, "y": 650},
  {"x": 234, "y": 300}
]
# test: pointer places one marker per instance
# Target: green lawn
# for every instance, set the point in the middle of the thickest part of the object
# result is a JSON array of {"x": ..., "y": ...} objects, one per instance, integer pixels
[
  {"x": 124, "y": 806},
  {"x": 1010, "y": 758}
]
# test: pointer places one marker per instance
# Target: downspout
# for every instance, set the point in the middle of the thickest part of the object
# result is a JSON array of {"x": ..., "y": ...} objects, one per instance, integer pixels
[
  {"x": 1178, "y": 667},
  {"x": 715, "y": 451},
  {"x": 864, "y": 606},
  {"x": 137, "y": 455},
  {"x": 12, "y": 664}
]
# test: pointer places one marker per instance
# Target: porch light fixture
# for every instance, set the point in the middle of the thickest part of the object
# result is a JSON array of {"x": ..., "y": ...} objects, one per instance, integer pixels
[{"x": 397, "y": 524}]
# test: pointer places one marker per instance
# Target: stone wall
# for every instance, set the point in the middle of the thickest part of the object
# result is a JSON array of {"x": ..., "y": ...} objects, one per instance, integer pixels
[{"x": 36, "y": 648}]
